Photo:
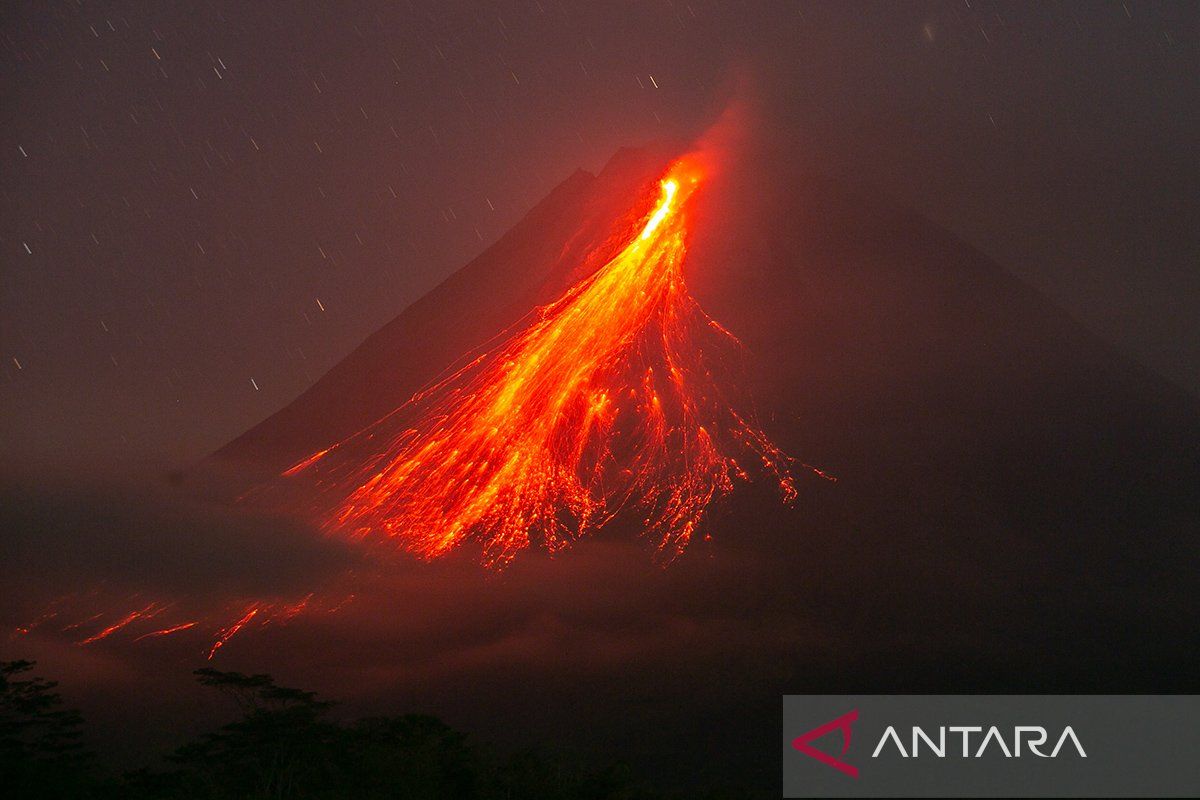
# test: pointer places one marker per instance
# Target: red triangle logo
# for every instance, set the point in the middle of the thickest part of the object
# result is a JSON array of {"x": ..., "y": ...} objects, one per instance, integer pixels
[{"x": 843, "y": 724}]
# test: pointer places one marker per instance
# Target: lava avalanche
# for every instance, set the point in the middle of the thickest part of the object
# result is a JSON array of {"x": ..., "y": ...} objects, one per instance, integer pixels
[{"x": 619, "y": 399}]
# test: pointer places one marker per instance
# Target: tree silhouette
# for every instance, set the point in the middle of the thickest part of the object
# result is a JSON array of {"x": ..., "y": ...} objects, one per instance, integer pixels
[
  {"x": 414, "y": 756},
  {"x": 285, "y": 746},
  {"x": 277, "y": 749},
  {"x": 41, "y": 753}
]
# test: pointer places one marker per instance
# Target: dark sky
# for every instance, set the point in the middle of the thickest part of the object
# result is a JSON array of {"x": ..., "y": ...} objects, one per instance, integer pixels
[{"x": 206, "y": 205}]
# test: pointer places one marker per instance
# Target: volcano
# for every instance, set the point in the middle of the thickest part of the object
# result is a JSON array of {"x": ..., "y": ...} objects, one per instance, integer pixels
[
  {"x": 1015, "y": 505},
  {"x": 616, "y": 396}
]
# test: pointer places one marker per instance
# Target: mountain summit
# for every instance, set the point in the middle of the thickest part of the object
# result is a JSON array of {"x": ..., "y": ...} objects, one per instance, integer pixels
[{"x": 984, "y": 480}]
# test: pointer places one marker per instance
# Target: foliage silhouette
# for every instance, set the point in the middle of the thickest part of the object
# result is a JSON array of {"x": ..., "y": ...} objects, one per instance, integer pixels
[
  {"x": 41, "y": 753},
  {"x": 285, "y": 745}
]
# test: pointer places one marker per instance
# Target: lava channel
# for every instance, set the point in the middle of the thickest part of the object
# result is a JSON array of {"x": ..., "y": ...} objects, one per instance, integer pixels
[{"x": 619, "y": 399}]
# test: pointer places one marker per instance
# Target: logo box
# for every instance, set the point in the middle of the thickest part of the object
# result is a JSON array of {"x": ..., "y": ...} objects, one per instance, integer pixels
[{"x": 991, "y": 745}]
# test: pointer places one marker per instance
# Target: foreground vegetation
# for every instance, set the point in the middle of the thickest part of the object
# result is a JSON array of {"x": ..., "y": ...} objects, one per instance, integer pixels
[{"x": 283, "y": 745}]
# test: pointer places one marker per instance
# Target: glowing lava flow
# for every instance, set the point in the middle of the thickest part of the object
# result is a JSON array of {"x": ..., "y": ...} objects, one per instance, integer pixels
[
  {"x": 174, "y": 618},
  {"x": 228, "y": 633},
  {"x": 148, "y": 612},
  {"x": 618, "y": 397},
  {"x": 184, "y": 626}
]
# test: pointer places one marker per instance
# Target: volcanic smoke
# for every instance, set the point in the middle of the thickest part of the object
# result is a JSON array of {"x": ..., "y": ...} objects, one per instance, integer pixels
[{"x": 618, "y": 398}]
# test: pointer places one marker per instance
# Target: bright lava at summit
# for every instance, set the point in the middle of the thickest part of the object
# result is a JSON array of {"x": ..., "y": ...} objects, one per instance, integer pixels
[{"x": 617, "y": 399}]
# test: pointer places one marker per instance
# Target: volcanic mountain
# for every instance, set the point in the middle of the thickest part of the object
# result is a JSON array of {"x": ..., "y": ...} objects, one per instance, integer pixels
[
  {"x": 1015, "y": 504},
  {"x": 529, "y": 266}
]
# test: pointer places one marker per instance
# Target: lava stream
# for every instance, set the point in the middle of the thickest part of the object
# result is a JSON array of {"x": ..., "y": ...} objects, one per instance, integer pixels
[{"x": 619, "y": 397}]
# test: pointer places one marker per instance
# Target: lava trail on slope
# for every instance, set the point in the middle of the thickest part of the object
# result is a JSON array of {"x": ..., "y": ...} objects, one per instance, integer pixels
[{"x": 619, "y": 398}]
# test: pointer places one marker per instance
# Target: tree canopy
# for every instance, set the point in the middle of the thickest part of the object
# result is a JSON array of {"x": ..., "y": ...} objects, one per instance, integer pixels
[{"x": 284, "y": 744}]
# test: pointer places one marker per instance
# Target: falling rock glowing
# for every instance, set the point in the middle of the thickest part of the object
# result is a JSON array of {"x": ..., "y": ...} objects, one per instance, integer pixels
[{"x": 619, "y": 398}]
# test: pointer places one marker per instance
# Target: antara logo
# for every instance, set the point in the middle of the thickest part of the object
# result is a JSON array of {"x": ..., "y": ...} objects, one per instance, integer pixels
[
  {"x": 843, "y": 724},
  {"x": 1033, "y": 737}
]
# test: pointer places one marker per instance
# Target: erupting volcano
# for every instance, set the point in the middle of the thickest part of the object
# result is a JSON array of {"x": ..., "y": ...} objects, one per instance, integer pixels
[{"x": 620, "y": 397}]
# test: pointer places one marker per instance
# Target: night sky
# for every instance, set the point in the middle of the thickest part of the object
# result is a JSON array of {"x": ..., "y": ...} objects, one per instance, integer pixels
[{"x": 206, "y": 205}]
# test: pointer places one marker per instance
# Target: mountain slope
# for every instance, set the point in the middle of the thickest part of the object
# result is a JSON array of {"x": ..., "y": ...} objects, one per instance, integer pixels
[
  {"x": 1014, "y": 497},
  {"x": 527, "y": 267},
  {"x": 1016, "y": 506}
]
